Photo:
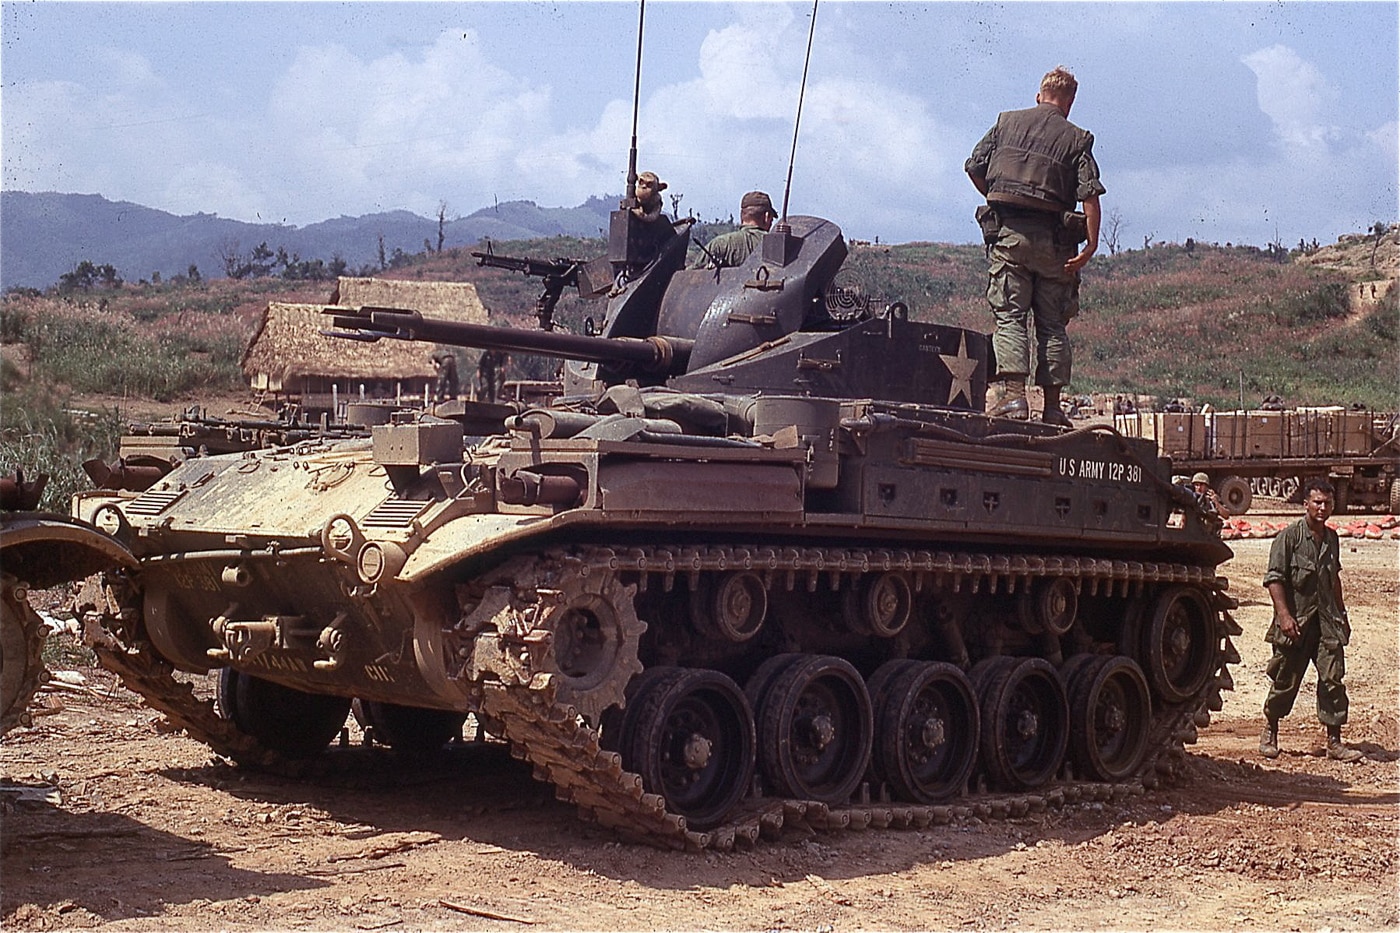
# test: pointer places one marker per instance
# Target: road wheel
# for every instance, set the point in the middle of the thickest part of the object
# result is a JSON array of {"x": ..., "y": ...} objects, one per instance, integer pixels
[
  {"x": 690, "y": 734},
  {"x": 1395, "y": 497},
  {"x": 926, "y": 727},
  {"x": 409, "y": 730},
  {"x": 1235, "y": 494},
  {"x": 1025, "y": 721},
  {"x": 297, "y": 724},
  {"x": 1110, "y": 713},
  {"x": 814, "y": 730}
]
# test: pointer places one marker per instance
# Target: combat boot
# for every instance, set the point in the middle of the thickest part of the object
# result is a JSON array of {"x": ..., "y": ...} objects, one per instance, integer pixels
[
  {"x": 1268, "y": 740},
  {"x": 1010, "y": 400},
  {"x": 1336, "y": 750},
  {"x": 1052, "y": 414}
]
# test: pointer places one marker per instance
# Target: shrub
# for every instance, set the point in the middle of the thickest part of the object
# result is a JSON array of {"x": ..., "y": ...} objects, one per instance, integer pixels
[{"x": 41, "y": 434}]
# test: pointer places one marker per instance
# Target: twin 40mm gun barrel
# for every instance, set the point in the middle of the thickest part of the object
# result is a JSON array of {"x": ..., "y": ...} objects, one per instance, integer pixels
[{"x": 666, "y": 355}]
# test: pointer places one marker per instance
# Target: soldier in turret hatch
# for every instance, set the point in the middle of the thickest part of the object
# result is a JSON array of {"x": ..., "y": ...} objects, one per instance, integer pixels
[
  {"x": 756, "y": 216},
  {"x": 1034, "y": 166}
]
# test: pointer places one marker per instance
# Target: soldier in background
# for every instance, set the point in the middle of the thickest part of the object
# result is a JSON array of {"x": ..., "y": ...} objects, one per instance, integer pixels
[
  {"x": 1201, "y": 484},
  {"x": 1034, "y": 166},
  {"x": 756, "y": 216},
  {"x": 445, "y": 365},
  {"x": 490, "y": 370},
  {"x": 1310, "y": 622}
]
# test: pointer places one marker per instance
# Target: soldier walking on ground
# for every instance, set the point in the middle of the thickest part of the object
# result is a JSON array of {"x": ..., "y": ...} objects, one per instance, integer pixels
[
  {"x": 1310, "y": 622},
  {"x": 1034, "y": 166}
]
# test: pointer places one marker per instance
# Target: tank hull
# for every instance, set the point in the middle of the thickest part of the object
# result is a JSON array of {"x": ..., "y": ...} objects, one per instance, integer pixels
[{"x": 853, "y": 600}]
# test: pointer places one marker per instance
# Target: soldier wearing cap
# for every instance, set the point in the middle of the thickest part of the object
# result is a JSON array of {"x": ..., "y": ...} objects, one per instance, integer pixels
[
  {"x": 756, "y": 216},
  {"x": 1201, "y": 483},
  {"x": 1034, "y": 166}
]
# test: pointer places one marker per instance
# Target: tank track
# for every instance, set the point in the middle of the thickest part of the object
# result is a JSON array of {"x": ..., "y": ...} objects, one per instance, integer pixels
[
  {"x": 23, "y": 670},
  {"x": 566, "y": 752}
]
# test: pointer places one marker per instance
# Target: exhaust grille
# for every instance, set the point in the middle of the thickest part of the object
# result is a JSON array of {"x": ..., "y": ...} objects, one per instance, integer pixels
[{"x": 395, "y": 513}]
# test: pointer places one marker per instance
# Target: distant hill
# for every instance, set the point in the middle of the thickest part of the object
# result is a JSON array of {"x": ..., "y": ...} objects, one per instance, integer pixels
[{"x": 44, "y": 235}]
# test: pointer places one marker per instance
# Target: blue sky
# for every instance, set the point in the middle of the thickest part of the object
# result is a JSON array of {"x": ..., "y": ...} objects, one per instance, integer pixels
[{"x": 1227, "y": 122}]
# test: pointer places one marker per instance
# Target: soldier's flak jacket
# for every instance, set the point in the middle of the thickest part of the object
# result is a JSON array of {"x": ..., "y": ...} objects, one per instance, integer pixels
[{"x": 1034, "y": 161}]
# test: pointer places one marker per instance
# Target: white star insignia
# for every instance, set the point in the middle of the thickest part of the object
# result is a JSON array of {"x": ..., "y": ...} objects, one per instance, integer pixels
[{"x": 961, "y": 367}]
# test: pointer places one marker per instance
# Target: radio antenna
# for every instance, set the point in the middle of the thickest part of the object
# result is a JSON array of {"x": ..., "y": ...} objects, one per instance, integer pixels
[
  {"x": 636, "y": 105},
  {"x": 802, "y": 93}
]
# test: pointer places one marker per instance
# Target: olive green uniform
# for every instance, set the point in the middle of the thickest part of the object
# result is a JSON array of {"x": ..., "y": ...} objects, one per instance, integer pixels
[
  {"x": 1037, "y": 167},
  {"x": 730, "y": 249},
  {"x": 1310, "y": 573}
]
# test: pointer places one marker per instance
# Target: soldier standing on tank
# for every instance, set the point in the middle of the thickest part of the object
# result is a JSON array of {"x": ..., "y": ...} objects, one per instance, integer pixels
[
  {"x": 1310, "y": 622},
  {"x": 756, "y": 216},
  {"x": 1034, "y": 166}
]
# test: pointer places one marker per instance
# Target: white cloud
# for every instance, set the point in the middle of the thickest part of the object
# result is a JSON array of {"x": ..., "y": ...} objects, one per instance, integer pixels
[{"x": 1296, "y": 96}]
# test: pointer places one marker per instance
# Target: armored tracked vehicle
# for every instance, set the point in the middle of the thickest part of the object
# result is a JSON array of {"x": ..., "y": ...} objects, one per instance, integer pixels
[{"x": 765, "y": 564}]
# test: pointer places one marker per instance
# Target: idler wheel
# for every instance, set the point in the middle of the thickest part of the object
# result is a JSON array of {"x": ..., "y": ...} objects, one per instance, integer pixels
[
  {"x": 926, "y": 725},
  {"x": 690, "y": 734},
  {"x": 731, "y": 606},
  {"x": 878, "y": 605},
  {"x": 1049, "y": 605},
  {"x": 297, "y": 724},
  {"x": 409, "y": 730},
  {"x": 814, "y": 728},
  {"x": 1180, "y": 646},
  {"x": 1110, "y": 712},
  {"x": 1025, "y": 721}
]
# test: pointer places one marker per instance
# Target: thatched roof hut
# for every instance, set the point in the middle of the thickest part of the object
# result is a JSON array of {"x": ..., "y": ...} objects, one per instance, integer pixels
[{"x": 288, "y": 353}]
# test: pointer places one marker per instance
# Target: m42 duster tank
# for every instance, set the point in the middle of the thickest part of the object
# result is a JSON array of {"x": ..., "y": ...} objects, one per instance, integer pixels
[{"x": 766, "y": 564}]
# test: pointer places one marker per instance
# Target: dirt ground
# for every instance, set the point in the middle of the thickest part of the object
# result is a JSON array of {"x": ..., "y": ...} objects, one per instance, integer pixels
[{"x": 122, "y": 827}]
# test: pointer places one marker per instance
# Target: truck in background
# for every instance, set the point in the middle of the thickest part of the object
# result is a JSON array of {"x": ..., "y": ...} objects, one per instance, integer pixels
[{"x": 1271, "y": 453}]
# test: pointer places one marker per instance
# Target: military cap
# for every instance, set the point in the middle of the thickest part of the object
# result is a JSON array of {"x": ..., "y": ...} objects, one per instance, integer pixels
[
  {"x": 757, "y": 199},
  {"x": 1201, "y": 478},
  {"x": 651, "y": 181}
]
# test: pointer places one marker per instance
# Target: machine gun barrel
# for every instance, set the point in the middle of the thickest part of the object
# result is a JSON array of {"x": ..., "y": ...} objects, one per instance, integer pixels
[
  {"x": 668, "y": 355},
  {"x": 564, "y": 269}
]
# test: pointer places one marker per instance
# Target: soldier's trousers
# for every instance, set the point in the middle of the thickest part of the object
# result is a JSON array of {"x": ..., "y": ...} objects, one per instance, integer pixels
[
  {"x": 1288, "y": 665},
  {"x": 1027, "y": 283}
]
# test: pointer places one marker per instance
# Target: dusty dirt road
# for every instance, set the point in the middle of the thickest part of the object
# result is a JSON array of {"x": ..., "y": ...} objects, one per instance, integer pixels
[{"x": 131, "y": 829}]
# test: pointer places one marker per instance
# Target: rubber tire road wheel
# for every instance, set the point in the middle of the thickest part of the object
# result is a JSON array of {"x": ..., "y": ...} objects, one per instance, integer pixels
[
  {"x": 926, "y": 730},
  {"x": 1235, "y": 494},
  {"x": 1025, "y": 723},
  {"x": 814, "y": 730},
  {"x": 295, "y": 723},
  {"x": 1110, "y": 711},
  {"x": 700, "y": 780},
  {"x": 1181, "y": 646},
  {"x": 411, "y": 730},
  {"x": 1395, "y": 497}
]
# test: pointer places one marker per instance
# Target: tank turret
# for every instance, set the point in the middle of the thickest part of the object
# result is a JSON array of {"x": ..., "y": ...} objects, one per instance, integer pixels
[{"x": 776, "y": 324}]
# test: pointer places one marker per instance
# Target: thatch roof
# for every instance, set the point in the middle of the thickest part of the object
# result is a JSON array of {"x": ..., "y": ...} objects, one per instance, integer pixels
[{"x": 288, "y": 343}]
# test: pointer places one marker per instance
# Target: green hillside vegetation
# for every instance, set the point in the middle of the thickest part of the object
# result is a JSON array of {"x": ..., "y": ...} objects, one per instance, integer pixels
[{"x": 1170, "y": 321}]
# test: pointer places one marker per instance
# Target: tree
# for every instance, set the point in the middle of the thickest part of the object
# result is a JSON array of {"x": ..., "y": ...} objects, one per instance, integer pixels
[
  {"x": 1113, "y": 231},
  {"x": 442, "y": 224},
  {"x": 1378, "y": 231},
  {"x": 86, "y": 275},
  {"x": 383, "y": 263}
]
